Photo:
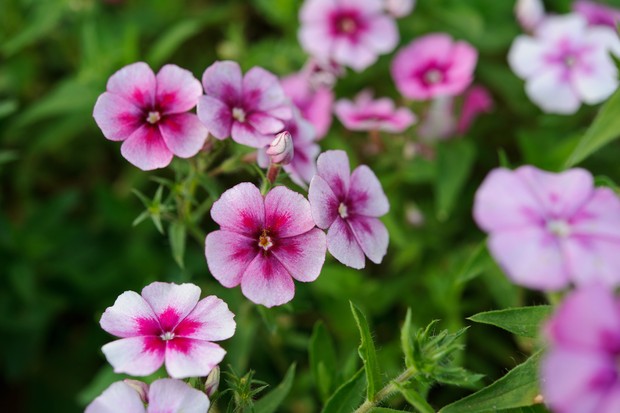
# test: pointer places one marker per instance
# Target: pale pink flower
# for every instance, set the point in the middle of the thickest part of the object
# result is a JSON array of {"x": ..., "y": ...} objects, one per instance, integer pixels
[
  {"x": 250, "y": 108},
  {"x": 399, "y": 8},
  {"x": 166, "y": 324},
  {"x": 434, "y": 65},
  {"x": 349, "y": 204},
  {"x": 349, "y": 32},
  {"x": 148, "y": 113},
  {"x": 579, "y": 372},
  {"x": 264, "y": 243},
  {"x": 164, "y": 395},
  {"x": 281, "y": 150},
  {"x": 548, "y": 230},
  {"x": 566, "y": 63},
  {"x": 598, "y": 14},
  {"x": 365, "y": 114},
  {"x": 530, "y": 13}
]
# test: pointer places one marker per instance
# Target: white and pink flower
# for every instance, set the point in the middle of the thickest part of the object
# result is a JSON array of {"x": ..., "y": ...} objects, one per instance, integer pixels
[
  {"x": 434, "y": 65},
  {"x": 264, "y": 243},
  {"x": 147, "y": 112},
  {"x": 352, "y": 33},
  {"x": 349, "y": 206},
  {"x": 365, "y": 114},
  {"x": 566, "y": 63},
  {"x": 167, "y": 324},
  {"x": 250, "y": 108}
]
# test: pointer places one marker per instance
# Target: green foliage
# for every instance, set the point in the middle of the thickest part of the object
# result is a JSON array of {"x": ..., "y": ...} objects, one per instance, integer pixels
[
  {"x": 348, "y": 396},
  {"x": 524, "y": 322},
  {"x": 322, "y": 358},
  {"x": 272, "y": 400},
  {"x": 367, "y": 354}
]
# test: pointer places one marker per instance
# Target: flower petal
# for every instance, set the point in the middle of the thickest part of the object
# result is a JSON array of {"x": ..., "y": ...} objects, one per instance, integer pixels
[
  {"x": 118, "y": 396},
  {"x": 240, "y": 209},
  {"x": 371, "y": 235},
  {"x": 526, "y": 56},
  {"x": 382, "y": 34},
  {"x": 333, "y": 167},
  {"x": 146, "y": 149},
  {"x": 136, "y": 356},
  {"x": 265, "y": 124},
  {"x": 262, "y": 90},
  {"x": 211, "y": 320},
  {"x": 136, "y": 83},
  {"x": 343, "y": 245},
  {"x": 228, "y": 256},
  {"x": 366, "y": 196},
  {"x": 593, "y": 259},
  {"x": 177, "y": 89},
  {"x": 267, "y": 282},
  {"x": 222, "y": 80},
  {"x": 215, "y": 115},
  {"x": 303, "y": 255},
  {"x": 186, "y": 357},
  {"x": 128, "y": 316},
  {"x": 171, "y": 302},
  {"x": 599, "y": 216},
  {"x": 169, "y": 395},
  {"x": 323, "y": 203},
  {"x": 183, "y": 133},
  {"x": 245, "y": 134},
  {"x": 117, "y": 117},
  {"x": 552, "y": 92},
  {"x": 287, "y": 213}
]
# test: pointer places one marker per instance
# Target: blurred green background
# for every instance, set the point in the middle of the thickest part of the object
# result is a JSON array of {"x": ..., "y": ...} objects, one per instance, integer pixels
[{"x": 68, "y": 249}]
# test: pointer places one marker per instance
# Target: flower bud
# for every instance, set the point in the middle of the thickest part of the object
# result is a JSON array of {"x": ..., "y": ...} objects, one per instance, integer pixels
[
  {"x": 140, "y": 387},
  {"x": 281, "y": 149},
  {"x": 530, "y": 13},
  {"x": 399, "y": 8},
  {"x": 213, "y": 381}
]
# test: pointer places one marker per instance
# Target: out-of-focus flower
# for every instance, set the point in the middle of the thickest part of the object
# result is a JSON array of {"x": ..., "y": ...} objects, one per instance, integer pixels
[
  {"x": 366, "y": 114},
  {"x": 530, "y": 13},
  {"x": 598, "y": 14},
  {"x": 579, "y": 372},
  {"x": 399, "y": 8},
  {"x": 550, "y": 229},
  {"x": 566, "y": 63},
  {"x": 250, "y": 108},
  {"x": 281, "y": 150},
  {"x": 164, "y": 395},
  {"x": 477, "y": 100},
  {"x": 167, "y": 324},
  {"x": 351, "y": 33},
  {"x": 349, "y": 204},
  {"x": 264, "y": 243},
  {"x": 434, "y": 65},
  {"x": 148, "y": 113}
]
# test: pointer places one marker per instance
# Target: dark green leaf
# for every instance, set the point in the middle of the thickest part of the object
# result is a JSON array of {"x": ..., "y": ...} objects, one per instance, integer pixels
[
  {"x": 454, "y": 162},
  {"x": 523, "y": 321},
  {"x": 406, "y": 342},
  {"x": 348, "y": 396},
  {"x": 177, "y": 236},
  {"x": 270, "y": 402},
  {"x": 322, "y": 359},
  {"x": 367, "y": 353},
  {"x": 415, "y": 399}
]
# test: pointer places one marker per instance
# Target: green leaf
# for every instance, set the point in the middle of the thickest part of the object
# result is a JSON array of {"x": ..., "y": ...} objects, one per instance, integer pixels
[
  {"x": 454, "y": 162},
  {"x": 270, "y": 402},
  {"x": 604, "y": 129},
  {"x": 478, "y": 262},
  {"x": 406, "y": 342},
  {"x": 385, "y": 410},
  {"x": 322, "y": 359},
  {"x": 415, "y": 399},
  {"x": 523, "y": 321},
  {"x": 348, "y": 396},
  {"x": 518, "y": 388},
  {"x": 177, "y": 236},
  {"x": 367, "y": 353}
]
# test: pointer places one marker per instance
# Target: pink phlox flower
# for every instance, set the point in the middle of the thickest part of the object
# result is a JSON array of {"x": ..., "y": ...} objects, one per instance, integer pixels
[
  {"x": 167, "y": 324},
  {"x": 264, "y": 243},
  {"x": 580, "y": 372},
  {"x": 434, "y": 65},
  {"x": 548, "y": 230},
  {"x": 598, "y": 14},
  {"x": 164, "y": 395},
  {"x": 530, "y": 13},
  {"x": 250, "y": 108},
  {"x": 349, "y": 32},
  {"x": 348, "y": 205},
  {"x": 399, "y": 8},
  {"x": 147, "y": 112},
  {"x": 566, "y": 63},
  {"x": 477, "y": 100},
  {"x": 365, "y": 114}
]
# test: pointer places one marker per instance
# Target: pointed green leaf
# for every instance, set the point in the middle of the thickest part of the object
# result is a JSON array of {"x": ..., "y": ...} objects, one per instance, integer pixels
[
  {"x": 177, "y": 235},
  {"x": 271, "y": 401},
  {"x": 406, "y": 342},
  {"x": 522, "y": 321},
  {"x": 385, "y": 410},
  {"x": 415, "y": 399},
  {"x": 454, "y": 162},
  {"x": 367, "y": 353},
  {"x": 479, "y": 261},
  {"x": 322, "y": 359},
  {"x": 348, "y": 396}
]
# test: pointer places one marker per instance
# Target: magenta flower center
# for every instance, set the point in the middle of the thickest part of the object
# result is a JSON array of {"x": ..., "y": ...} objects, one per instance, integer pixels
[
  {"x": 264, "y": 241},
  {"x": 558, "y": 227},
  {"x": 342, "y": 210},
  {"x": 239, "y": 114},
  {"x": 347, "y": 23},
  {"x": 167, "y": 336},
  {"x": 153, "y": 117}
]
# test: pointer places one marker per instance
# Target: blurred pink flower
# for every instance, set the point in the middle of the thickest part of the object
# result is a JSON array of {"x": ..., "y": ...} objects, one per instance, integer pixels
[
  {"x": 167, "y": 324},
  {"x": 147, "y": 113},
  {"x": 250, "y": 109},
  {"x": 365, "y": 114},
  {"x": 349, "y": 32},
  {"x": 349, "y": 204},
  {"x": 579, "y": 372},
  {"x": 399, "y": 8},
  {"x": 434, "y": 65},
  {"x": 477, "y": 100},
  {"x": 548, "y": 230},
  {"x": 530, "y": 13},
  {"x": 164, "y": 395},
  {"x": 264, "y": 243},
  {"x": 566, "y": 63},
  {"x": 598, "y": 14}
]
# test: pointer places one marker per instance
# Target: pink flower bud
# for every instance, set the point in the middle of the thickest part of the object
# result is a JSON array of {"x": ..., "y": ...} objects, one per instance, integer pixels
[
  {"x": 213, "y": 381},
  {"x": 399, "y": 8},
  {"x": 140, "y": 387},
  {"x": 530, "y": 13},
  {"x": 281, "y": 149}
]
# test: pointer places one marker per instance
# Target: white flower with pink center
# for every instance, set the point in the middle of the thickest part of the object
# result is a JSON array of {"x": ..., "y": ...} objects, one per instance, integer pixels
[
  {"x": 349, "y": 32},
  {"x": 566, "y": 63},
  {"x": 264, "y": 243},
  {"x": 167, "y": 324},
  {"x": 349, "y": 206}
]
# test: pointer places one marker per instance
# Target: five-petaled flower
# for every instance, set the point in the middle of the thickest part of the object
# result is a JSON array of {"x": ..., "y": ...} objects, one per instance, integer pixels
[
  {"x": 167, "y": 324},
  {"x": 349, "y": 204},
  {"x": 264, "y": 243},
  {"x": 250, "y": 108},
  {"x": 148, "y": 113},
  {"x": 164, "y": 395},
  {"x": 366, "y": 114},
  {"x": 548, "y": 230}
]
